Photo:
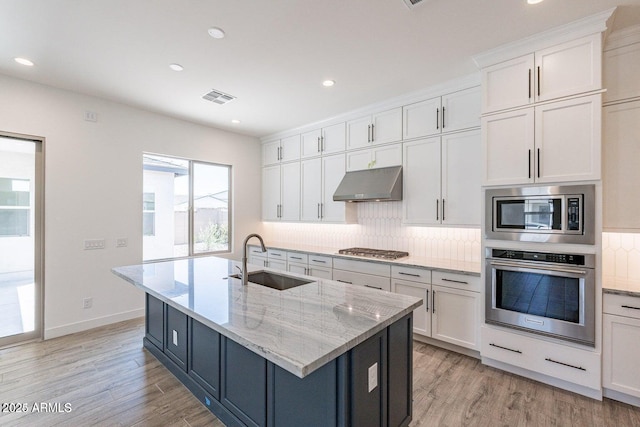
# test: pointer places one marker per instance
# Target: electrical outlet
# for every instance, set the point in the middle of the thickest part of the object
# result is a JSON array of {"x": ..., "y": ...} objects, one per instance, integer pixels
[
  {"x": 94, "y": 244},
  {"x": 90, "y": 116},
  {"x": 121, "y": 242},
  {"x": 87, "y": 303},
  {"x": 175, "y": 338},
  {"x": 373, "y": 377}
]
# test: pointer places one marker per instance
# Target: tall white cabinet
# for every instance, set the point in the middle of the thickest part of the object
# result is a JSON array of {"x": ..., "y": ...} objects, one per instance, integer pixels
[{"x": 281, "y": 192}]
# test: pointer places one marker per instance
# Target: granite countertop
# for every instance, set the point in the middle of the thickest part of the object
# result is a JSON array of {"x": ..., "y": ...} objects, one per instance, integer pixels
[
  {"x": 298, "y": 329},
  {"x": 473, "y": 268},
  {"x": 613, "y": 285}
]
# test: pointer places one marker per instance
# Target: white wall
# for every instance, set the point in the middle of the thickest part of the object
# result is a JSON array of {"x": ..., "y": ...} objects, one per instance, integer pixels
[{"x": 93, "y": 189}]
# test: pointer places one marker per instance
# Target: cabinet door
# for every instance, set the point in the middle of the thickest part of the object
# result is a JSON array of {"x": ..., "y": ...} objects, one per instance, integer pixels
[
  {"x": 461, "y": 172},
  {"x": 290, "y": 148},
  {"x": 387, "y": 126},
  {"x": 311, "y": 144},
  {"x": 422, "y": 314},
  {"x": 386, "y": 155},
  {"x": 621, "y": 200},
  {"x": 271, "y": 152},
  {"x": 204, "y": 357},
  {"x": 621, "y": 346},
  {"x": 321, "y": 273},
  {"x": 290, "y": 195},
  {"x": 358, "y": 159},
  {"x": 277, "y": 264},
  {"x": 508, "y": 84},
  {"x": 154, "y": 325},
  {"x": 455, "y": 316},
  {"x": 311, "y": 195},
  {"x": 333, "y": 170},
  {"x": 358, "y": 133},
  {"x": 508, "y": 148},
  {"x": 334, "y": 138},
  {"x": 569, "y": 68},
  {"x": 421, "y": 182},
  {"x": 297, "y": 268},
  {"x": 421, "y": 119},
  {"x": 568, "y": 139},
  {"x": 271, "y": 193},
  {"x": 461, "y": 110}
]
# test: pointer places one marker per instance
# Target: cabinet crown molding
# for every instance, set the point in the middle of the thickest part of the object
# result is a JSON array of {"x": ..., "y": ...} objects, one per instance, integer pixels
[{"x": 598, "y": 23}]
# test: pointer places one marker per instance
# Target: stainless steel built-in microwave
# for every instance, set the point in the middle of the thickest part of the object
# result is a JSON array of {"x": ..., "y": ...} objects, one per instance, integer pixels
[{"x": 557, "y": 214}]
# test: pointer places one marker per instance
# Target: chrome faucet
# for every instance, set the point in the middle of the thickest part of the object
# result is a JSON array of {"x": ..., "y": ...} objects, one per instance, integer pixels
[{"x": 245, "y": 275}]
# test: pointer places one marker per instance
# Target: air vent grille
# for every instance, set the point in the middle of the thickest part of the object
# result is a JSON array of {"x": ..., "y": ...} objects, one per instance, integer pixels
[
  {"x": 218, "y": 97},
  {"x": 412, "y": 3}
]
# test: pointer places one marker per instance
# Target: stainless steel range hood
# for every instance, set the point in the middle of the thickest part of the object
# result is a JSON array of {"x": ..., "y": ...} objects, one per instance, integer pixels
[{"x": 383, "y": 184}]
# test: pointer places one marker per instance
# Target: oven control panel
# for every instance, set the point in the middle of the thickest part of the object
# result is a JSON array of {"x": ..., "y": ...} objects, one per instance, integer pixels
[{"x": 556, "y": 258}]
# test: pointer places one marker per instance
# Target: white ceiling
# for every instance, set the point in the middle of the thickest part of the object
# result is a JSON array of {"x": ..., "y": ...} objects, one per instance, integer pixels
[{"x": 276, "y": 52}]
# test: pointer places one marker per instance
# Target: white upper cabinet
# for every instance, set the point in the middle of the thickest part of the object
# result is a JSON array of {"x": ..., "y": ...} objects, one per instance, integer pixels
[
  {"x": 376, "y": 157},
  {"x": 379, "y": 128},
  {"x": 271, "y": 193},
  {"x": 281, "y": 192},
  {"x": 328, "y": 140},
  {"x": 442, "y": 180},
  {"x": 448, "y": 113},
  {"x": 621, "y": 65},
  {"x": 281, "y": 150},
  {"x": 566, "y": 69},
  {"x": 552, "y": 142}
]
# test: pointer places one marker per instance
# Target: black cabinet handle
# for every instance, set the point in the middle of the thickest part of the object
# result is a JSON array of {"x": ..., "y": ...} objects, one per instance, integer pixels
[
  {"x": 433, "y": 302},
  {"x": 437, "y": 209},
  {"x": 318, "y": 144},
  {"x": 529, "y": 160},
  {"x": 529, "y": 81},
  {"x": 372, "y": 287},
  {"x": 437, "y": 118},
  {"x": 443, "y": 118},
  {"x": 631, "y": 307},
  {"x": 296, "y": 257},
  {"x": 373, "y": 133},
  {"x": 539, "y": 161},
  {"x": 443, "y": 202},
  {"x": 426, "y": 302},
  {"x": 369, "y": 133},
  {"x": 504, "y": 348},
  {"x": 454, "y": 281},
  {"x": 408, "y": 274},
  {"x": 344, "y": 281},
  {"x": 565, "y": 364},
  {"x": 538, "y": 81}
]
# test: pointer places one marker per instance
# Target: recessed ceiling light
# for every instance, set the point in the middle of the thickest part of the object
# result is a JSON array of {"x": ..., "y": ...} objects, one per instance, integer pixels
[
  {"x": 216, "y": 33},
  {"x": 534, "y": 1},
  {"x": 23, "y": 61},
  {"x": 328, "y": 83},
  {"x": 176, "y": 67},
  {"x": 235, "y": 121}
]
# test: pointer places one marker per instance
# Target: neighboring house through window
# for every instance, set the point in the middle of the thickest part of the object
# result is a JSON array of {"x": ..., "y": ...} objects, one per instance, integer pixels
[{"x": 15, "y": 209}]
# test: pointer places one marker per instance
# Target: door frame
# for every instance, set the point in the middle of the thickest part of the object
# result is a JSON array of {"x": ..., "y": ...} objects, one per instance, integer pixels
[{"x": 39, "y": 243}]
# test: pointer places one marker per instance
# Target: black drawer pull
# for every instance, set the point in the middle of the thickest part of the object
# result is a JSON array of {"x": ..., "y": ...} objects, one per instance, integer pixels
[
  {"x": 565, "y": 364},
  {"x": 454, "y": 281},
  {"x": 631, "y": 307},
  {"x": 409, "y": 274},
  {"x": 344, "y": 281},
  {"x": 296, "y": 257},
  {"x": 318, "y": 260},
  {"x": 276, "y": 254},
  {"x": 372, "y": 287},
  {"x": 504, "y": 348}
]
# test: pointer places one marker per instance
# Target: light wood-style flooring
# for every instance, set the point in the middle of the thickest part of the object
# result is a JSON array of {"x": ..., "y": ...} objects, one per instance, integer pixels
[{"x": 110, "y": 380}]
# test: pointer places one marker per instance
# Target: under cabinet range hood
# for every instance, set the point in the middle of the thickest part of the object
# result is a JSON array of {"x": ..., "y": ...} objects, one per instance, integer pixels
[{"x": 371, "y": 185}]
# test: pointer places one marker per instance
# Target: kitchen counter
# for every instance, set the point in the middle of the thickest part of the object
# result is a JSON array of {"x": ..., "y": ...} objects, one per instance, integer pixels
[
  {"x": 611, "y": 285},
  {"x": 412, "y": 261},
  {"x": 299, "y": 329}
]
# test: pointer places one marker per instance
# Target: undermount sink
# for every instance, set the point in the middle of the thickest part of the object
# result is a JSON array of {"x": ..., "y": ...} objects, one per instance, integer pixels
[{"x": 272, "y": 280}]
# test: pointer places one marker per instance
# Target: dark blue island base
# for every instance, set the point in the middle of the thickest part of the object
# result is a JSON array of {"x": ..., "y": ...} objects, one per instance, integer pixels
[{"x": 369, "y": 385}]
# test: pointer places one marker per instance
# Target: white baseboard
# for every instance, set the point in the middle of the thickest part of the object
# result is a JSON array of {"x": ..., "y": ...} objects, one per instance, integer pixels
[
  {"x": 72, "y": 328},
  {"x": 621, "y": 397}
]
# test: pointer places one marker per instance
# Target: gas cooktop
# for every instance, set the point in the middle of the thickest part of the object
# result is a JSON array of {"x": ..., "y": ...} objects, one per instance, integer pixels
[{"x": 374, "y": 253}]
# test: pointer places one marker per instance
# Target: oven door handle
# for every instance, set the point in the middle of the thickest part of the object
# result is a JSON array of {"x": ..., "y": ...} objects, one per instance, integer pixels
[{"x": 537, "y": 267}]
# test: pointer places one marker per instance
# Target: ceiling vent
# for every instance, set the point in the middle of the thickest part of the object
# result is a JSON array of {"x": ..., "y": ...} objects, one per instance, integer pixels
[
  {"x": 218, "y": 97},
  {"x": 413, "y": 3}
]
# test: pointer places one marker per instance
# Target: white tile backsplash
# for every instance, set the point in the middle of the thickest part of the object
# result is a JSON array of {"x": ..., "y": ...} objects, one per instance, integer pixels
[
  {"x": 380, "y": 227},
  {"x": 621, "y": 255}
]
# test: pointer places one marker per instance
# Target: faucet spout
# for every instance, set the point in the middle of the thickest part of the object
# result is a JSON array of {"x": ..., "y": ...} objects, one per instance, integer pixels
[{"x": 245, "y": 275}]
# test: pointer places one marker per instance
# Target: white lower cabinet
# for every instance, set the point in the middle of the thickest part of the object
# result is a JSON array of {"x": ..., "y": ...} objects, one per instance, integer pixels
[
  {"x": 319, "y": 266},
  {"x": 621, "y": 344},
  {"x": 563, "y": 362},
  {"x": 449, "y": 313}
]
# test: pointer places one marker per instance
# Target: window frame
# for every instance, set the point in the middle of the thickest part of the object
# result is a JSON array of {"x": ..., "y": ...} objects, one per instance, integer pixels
[{"x": 191, "y": 211}]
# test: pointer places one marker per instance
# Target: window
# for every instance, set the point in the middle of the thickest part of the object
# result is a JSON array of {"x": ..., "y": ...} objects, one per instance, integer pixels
[
  {"x": 15, "y": 207},
  {"x": 186, "y": 207}
]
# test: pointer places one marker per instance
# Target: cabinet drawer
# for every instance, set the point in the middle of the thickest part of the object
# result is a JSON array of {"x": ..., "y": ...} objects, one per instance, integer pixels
[
  {"x": 368, "y": 280},
  {"x": 413, "y": 274},
  {"x": 320, "y": 261},
  {"x": 277, "y": 254},
  {"x": 566, "y": 363},
  {"x": 255, "y": 250},
  {"x": 622, "y": 305},
  {"x": 457, "y": 280},
  {"x": 297, "y": 257},
  {"x": 374, "y": 268}
]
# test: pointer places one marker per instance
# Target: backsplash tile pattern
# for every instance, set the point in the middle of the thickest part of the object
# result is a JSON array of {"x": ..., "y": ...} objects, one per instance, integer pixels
[
  {"x": 380, "y": 227},
  {"x": 621, "y": 256}
]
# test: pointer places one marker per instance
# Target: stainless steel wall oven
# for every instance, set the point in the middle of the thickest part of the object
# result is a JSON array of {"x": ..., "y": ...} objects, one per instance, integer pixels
[
  {"x": 555, "y": 214},
  {"x": 551, "y": 294}
]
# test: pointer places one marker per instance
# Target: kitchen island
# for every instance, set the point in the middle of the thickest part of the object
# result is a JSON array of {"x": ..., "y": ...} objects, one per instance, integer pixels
[{"x": 323, "y": 353}]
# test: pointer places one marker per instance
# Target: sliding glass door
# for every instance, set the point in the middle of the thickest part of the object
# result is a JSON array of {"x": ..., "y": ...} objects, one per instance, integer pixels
[{"x": 20, "y": 238}]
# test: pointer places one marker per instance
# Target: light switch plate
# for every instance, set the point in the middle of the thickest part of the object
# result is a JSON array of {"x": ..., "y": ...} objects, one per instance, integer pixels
[
  {"x": 94, "y": 244},
  {"x": 175, "y": 338},
  {"x": 373, "y": 377}
]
